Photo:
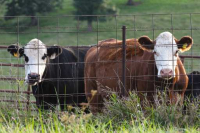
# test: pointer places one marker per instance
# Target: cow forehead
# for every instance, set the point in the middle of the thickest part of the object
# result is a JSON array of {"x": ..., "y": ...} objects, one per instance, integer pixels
[
  {"x": 165, "y": 41},
  {"x": 34, "y": 46},
  {"x": 165, "y": 38}
]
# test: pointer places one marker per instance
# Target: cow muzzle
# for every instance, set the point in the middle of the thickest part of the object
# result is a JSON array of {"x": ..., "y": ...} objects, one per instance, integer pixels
[
  {"x": 166, "y": 73},
  {"x": 33, "y": 78}
]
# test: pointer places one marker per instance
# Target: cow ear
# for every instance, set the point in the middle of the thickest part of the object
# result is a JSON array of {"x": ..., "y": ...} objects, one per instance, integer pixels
[
  {"x": 53, "y": 51},
  {"x": 185, "y": 43},
  {"x": 15, "y": 50},
  {"x": 146, "y": 43}
]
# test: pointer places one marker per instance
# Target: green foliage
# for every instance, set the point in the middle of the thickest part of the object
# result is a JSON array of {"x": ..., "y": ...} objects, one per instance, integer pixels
[
  {"x": 161, "y": 114},
  {"x": 31, "y": 7},
  {"x": 119, "y": 115},
  {"x": 178, "y": 115},
  {"x": 130, "y": 2},
  {"x": 93, "y": 7},
  {"x": 129, "y": 108}
]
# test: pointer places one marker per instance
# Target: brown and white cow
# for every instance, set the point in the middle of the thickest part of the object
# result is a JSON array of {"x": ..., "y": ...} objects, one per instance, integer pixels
[{"x": 149, "y": 64}]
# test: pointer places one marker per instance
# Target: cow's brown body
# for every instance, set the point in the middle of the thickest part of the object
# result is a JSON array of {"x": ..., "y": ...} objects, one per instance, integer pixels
[{"x": 103, "y": 72}]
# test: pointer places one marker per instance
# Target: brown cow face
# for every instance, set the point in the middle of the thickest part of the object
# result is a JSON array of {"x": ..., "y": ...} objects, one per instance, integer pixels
[{"x": 165, "y": 49}]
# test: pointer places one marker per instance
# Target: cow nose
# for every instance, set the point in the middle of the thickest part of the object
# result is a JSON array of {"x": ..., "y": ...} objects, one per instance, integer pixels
[
  {"x": 166, "y": 73},
  {"x": 33, "y": 78}
]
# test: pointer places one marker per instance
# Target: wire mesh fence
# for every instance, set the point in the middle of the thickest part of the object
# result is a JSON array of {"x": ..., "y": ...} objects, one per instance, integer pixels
[{"x": 61, "y": 80}]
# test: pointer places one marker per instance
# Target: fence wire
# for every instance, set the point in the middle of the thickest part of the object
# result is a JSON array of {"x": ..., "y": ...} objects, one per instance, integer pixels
[{"x": 71, "y": 33}]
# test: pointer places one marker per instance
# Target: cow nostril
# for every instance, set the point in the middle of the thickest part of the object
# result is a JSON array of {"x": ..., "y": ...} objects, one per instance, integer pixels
[
  {"x": 166, "y": 72},
  {"x": 33, "y": 76},
  {"x": 161, "y": 72}
]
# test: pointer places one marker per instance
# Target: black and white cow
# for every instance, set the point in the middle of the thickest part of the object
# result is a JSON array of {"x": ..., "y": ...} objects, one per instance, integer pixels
[
  {"x": 55, "y": 73},
  {"x": 193, "y": 89}
]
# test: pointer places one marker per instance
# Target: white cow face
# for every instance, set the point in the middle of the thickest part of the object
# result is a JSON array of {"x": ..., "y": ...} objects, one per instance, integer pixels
[
  {"x": 165, "y": 49},
  {"x": 35, "y": 54}
]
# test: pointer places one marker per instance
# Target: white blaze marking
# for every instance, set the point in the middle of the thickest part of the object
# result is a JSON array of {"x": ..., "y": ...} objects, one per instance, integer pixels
[
  {"x": 165, "y": 48},
  {"x": 35, "y": 50}
]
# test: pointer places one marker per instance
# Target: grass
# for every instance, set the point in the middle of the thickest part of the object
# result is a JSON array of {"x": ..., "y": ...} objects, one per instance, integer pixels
[{"x": 119, "y": 115}]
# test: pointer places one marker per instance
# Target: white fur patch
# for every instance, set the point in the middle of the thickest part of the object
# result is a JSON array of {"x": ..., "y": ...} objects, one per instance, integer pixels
[
  {"x": 165, "y": 49},
  {"x": 35, "y": 50},
  {"x": 53, "y": 56}
]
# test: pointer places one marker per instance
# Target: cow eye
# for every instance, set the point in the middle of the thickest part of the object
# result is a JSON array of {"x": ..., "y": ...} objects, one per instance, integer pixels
[
  {"x": 155, "y": 53},
  {"x": 25, "y": 58},
  {"x": 44, "y": 56}
]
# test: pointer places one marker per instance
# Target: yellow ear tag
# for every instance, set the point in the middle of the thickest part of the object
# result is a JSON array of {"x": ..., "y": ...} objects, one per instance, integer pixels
[
  {"x": 184, "y": 46},
  {"x": 16, "y": 54}
]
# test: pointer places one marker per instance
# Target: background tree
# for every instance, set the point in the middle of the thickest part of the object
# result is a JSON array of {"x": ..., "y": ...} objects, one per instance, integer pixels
[
  {"x": 130, "y": 2},
  {"x": 31, "y": 8},
  {"x": 92, "y": 7},
  {"x": 133, "y": 2}
]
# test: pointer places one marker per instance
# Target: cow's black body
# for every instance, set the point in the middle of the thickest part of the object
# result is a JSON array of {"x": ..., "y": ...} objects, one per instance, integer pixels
[
  {"x": 62, "y": 82},
  {"x": 193, "y": 89}
]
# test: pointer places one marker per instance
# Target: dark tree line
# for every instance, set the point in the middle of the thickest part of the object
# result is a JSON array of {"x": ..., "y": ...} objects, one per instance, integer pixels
[
  {"x": 130, "y": 2},
  {"x": 30, "y": 8},
  {"x": 92, "y": 7},
  {"x": 83, "y": 7}
]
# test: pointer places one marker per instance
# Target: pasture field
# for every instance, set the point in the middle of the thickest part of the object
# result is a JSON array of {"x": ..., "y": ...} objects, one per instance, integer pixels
[
  {"x": 119, "y": 115},
  {"x": 181, "y": 17}
]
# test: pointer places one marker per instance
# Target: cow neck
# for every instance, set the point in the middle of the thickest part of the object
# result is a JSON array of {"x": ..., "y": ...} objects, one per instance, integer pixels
[
  {"x": 50, "y": 68},
  {"x": 162, "y": 84},
  {"x": 54, "y": 66}
]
